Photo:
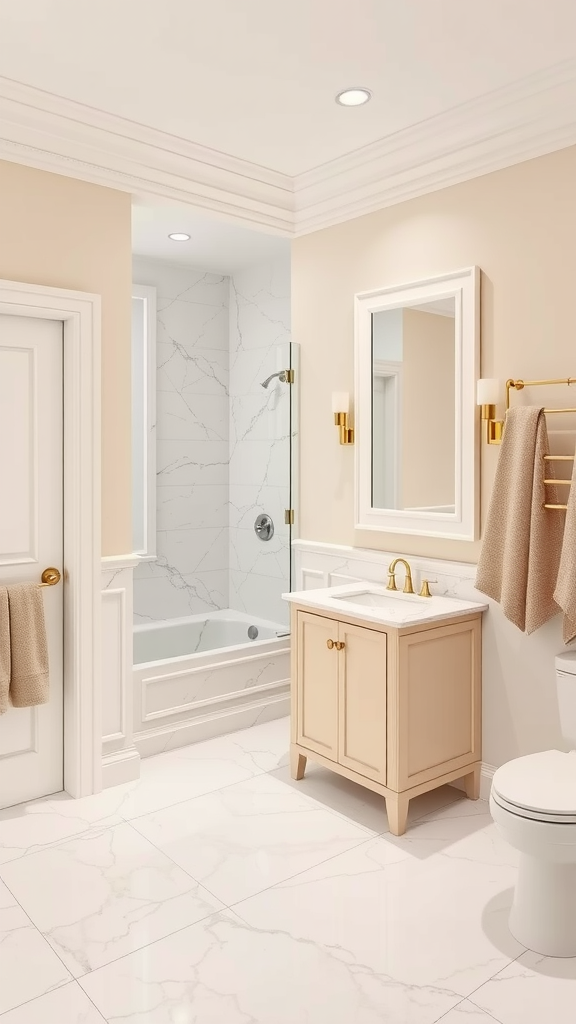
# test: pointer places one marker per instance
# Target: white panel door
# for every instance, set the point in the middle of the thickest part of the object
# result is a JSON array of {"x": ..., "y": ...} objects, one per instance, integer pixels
[{"x": 31, "y": 537}]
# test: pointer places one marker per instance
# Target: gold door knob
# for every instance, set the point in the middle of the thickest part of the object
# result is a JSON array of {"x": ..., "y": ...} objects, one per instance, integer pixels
[
  {"x": 340, "y": 645},
  {"x": 330, "y": 644},
  {"x": 50, "y": 577}
]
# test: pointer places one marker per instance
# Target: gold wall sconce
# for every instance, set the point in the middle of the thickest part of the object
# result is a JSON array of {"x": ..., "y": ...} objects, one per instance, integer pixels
[
  {"x": 487, "y": 397},
  {"x": 341, "y": 410},
  {"x": 487, "y": 394}
]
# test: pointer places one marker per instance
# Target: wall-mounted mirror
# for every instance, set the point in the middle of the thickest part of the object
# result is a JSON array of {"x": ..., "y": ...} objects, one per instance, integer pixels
[{"x": 417, "y": 356}]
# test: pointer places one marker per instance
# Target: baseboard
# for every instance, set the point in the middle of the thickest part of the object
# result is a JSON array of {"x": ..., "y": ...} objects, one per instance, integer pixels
[
  {"x": 486, "y": 773},
  {"x": 120, "y": 766},
  {"x": 217, "y": 723}
]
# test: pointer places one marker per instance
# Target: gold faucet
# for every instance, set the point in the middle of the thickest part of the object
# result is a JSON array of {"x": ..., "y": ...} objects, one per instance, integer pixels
[{"x": 408, "y": 587}]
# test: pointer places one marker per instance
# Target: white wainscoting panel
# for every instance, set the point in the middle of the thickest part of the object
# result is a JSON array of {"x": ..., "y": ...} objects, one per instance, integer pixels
[
  {"x": 184, "y": 700},
  {"x": 120, "y": 759}
]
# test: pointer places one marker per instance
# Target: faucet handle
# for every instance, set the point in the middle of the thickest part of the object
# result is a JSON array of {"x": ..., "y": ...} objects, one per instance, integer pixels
[
  {"x": 425, "y": 589},
  {"x": 391, "y": 581}
]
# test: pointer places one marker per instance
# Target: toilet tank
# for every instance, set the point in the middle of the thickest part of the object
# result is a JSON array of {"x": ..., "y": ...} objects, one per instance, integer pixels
[{"x": 566, "y": 687}]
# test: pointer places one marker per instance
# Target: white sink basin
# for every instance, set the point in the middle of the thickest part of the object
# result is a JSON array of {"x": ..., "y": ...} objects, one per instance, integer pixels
[
  {"x": 377, "y": 599},
  {"x": 373, "y": 603}
]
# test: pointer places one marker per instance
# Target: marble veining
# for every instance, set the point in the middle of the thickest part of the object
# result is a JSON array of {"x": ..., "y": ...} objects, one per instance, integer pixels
[
  {"x": 223, "y": 442},
  {"x": 192, "y": 429},
  {"x": 202, "y": 891},
  {"x": 99, "y": 897}
]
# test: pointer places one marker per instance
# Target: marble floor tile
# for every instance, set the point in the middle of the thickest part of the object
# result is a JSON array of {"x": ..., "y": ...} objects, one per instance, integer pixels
[
  {"x": 447, "y": 826},
  {"x": 533, "y": 990},
  {"x": 467, "y": 1013},
  {"x": 263, "y": 748},
  {"x": 30, "y": 827},
  {"x": 28, "y": 966},
  {"x": 99, "y": 897},
  {"x": 66, "y": 1005},
  {"x": 127, "y": 890},
  {"x": 222, "y": 972},
  {"x": 438, "y": 925},
  {"x": 242, "y": 839},
  {"x": 361, "y": 805},
  {"x": 191, "y": 771}
]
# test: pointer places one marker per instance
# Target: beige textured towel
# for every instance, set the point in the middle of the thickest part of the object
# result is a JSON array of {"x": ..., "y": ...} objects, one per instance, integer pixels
[
  {"x": 4, "y": 651},
  {"x": 520, "y": 555},
  {"x": 28, "y": 646},
  {"x": 565, "y": 593}
]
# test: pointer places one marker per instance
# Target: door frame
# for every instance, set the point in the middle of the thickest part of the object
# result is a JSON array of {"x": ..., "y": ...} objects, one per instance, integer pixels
[{"x": 80, "y": 315}]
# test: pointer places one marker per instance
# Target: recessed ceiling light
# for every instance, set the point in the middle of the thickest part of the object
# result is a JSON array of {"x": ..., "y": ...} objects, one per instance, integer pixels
[
  {"x": 179, "y": 236},
  {"x": 353, "y": 97}
]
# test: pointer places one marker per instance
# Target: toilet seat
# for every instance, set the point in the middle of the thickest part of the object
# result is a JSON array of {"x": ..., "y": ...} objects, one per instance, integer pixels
[{"x": 539, "y": 786}]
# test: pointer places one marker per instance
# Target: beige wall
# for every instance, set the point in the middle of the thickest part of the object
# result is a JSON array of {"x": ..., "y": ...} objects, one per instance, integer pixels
[
  {"x": 519, "y": 226},
  {"x": 428, "y": 365},
  {"x": 64, "y": 233}
]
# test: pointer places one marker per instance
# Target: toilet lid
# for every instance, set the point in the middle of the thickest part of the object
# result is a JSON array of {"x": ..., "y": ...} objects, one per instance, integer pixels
[{"x": 544, "y": 784}]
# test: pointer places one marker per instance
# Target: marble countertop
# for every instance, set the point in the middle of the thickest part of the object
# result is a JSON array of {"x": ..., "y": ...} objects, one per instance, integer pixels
[{"x": 373, "y": 603}]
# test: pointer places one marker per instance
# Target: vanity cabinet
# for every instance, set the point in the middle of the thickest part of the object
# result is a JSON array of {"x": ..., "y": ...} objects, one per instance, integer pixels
[{"x": 395, "y": 709}]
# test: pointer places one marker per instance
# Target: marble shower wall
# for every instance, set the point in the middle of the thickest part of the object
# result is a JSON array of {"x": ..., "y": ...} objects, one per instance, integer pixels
[
  {"x": 190, "y": 574},
  {"x": 259, "y": 438}
]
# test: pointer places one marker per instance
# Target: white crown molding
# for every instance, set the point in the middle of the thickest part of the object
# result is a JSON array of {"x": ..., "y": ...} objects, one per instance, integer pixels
[
  {"x": 60, "y": 135},
  {"x": 525, "y": 120}
]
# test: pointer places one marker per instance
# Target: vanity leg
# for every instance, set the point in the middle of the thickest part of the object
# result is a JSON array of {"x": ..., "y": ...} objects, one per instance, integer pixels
[
  {"x": 297, "y": 764},
  {"x": 472, "y": 784},
  {"x": 397, "y": 811}
]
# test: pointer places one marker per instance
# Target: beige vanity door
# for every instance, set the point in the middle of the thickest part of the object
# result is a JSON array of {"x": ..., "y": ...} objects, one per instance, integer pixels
[
  {"x": 440, "y": 704},
  {"x": 362, "y": 700},
  {"x": 317, "y": 684}
]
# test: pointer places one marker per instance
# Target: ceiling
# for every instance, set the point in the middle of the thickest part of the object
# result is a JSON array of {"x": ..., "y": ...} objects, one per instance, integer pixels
[
  {"x": 229, "y": 106},
  {"x": 216, "y": 246},
  {"x": 257, "y": 80}
]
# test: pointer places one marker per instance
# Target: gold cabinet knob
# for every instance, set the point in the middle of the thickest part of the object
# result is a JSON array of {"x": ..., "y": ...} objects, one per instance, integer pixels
[
  {"x": 340, "y": 645},
  {"x": 330, "y": 644},
  {"x": 50, "y": 577}
]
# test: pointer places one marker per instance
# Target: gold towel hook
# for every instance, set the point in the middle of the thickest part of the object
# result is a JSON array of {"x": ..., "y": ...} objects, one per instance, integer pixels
[{"x": 50, "y": 577}]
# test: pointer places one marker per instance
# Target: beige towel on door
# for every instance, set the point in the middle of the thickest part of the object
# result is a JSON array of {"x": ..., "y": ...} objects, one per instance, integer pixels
[
  {"x": 28, "y": 646},
  {"x": 4, "y": 651},
  {"x": 565, "y": 593},
  {"x": 520, "y": 555}
]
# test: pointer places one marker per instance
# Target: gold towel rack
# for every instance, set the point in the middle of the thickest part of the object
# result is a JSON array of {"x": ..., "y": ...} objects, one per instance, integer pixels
[
  {"x": 50, "y": 577},
  {"x": 518, "y": 385}
]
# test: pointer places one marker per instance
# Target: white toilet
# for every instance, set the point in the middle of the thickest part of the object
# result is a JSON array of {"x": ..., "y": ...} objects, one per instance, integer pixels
[{"x": 533, "y": 802}]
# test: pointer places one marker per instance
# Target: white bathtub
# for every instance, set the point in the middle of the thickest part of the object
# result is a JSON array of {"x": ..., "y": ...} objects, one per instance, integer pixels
[
  {"x": 176, "y": 638},
  {"x": 202, "y": 675}
]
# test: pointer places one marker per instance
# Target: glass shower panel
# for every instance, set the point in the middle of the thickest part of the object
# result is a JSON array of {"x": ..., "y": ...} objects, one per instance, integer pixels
[{"x": 260, "y": 550}]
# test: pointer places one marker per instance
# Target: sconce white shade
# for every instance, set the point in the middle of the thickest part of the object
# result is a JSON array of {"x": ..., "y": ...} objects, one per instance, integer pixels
[
  {"x": 340, "y": 401},
  {"x": 488, "y": 391}
]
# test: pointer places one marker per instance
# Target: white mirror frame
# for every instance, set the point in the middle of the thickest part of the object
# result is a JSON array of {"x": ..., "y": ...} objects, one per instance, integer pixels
[
  {"x": 463, "y": 523},
  {"x": 144, "y": 427}
]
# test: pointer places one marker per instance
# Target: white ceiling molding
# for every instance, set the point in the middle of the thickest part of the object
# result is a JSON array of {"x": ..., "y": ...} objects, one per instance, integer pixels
[
  {"x": 505, "y": 127},
  {"x": 60, "y": 135},
  {"x": 526, "y": 120}
]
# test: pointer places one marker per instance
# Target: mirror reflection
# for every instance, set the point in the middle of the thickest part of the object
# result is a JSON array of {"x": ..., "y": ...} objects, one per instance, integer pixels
[{"x": 413, "y": 410}]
